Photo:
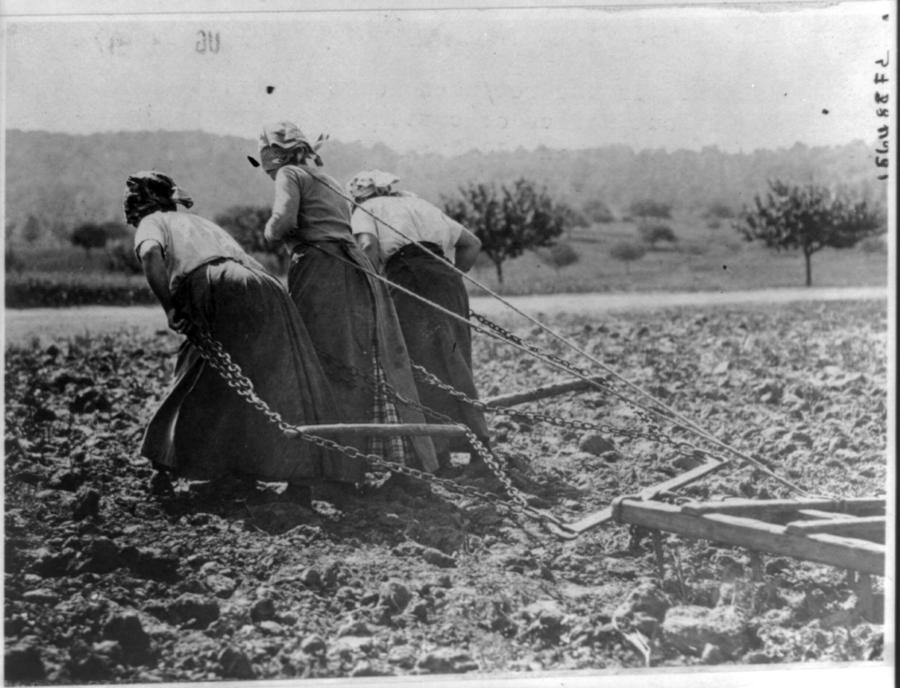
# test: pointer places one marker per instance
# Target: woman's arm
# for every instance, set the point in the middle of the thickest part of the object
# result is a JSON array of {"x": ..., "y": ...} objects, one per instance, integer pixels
[
  {"x": 154, "y": 266},
  {"x": 285, "y": 207},
  {"x": 468, "y": 246},
  {"x": 365, "y": 231},
  {"x": 370, "y": 246}
]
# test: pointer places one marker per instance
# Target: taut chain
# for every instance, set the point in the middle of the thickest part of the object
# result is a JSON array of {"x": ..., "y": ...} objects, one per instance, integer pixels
[{"x": 231, "y": 373}]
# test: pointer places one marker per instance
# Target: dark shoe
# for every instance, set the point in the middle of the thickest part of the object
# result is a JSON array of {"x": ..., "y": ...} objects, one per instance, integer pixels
[
  {"x": 161, "y": 485},
  {"x": 335, "y": 491},
  {"x": 297, "y": 494},
  {"x": 449, "y": 471},
  {"x": 410, "y": 486}
]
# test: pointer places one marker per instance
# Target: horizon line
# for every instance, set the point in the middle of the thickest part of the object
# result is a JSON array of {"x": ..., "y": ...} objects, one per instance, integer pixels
[{"x": 426, "y": 153}]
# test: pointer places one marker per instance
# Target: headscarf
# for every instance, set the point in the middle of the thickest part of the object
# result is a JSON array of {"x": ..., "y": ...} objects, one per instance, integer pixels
[
  {"x": 149, "y": 191},
  {"x": 281, "y": 143},
  {"x": 370, "y": 183}
]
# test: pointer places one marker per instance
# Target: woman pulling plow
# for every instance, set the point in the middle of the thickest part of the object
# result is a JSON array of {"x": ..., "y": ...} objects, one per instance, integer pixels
[
  {"x": 350, "y": 315},
  {"x": 206, "y": 283},
  {"x": 416, "y": 246}
]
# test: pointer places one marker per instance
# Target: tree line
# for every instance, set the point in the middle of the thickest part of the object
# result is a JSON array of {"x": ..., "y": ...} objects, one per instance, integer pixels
[{"x": 512, "y": 218}]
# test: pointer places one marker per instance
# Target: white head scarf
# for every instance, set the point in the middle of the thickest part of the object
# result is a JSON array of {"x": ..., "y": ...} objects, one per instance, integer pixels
[{"x": 371, "y": 183}]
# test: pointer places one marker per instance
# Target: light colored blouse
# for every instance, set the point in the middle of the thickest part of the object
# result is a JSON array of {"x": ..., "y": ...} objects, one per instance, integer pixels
[
  {"x": 305, "y": 209},
  {"x": 414, "y": 217},
  {"x": 188, "y": 241}
]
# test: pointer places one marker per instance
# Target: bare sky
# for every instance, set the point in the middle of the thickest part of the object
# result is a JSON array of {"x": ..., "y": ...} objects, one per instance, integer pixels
[{"x": 452, "y": 80}]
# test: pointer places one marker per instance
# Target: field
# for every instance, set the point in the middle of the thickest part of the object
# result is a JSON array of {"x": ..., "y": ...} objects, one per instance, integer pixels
[
  {"x": 703, "y": 259},
  {"x": 105, "y": 582}
]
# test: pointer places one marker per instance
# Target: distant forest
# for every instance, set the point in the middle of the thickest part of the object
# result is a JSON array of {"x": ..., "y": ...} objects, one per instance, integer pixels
[{"x": 54, "y": 182}]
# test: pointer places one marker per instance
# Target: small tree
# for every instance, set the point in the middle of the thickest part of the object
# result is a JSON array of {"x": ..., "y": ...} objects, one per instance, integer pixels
[
  {"x": 720, "y": 210},
  {"x": 597, "y": 211},
  {"x": 653, "y": 232},
  {"x": 507, "y": 221},
  {"x": 649, "y": 208},
  {"x": 32, "y": 229},
  {"x": 116, "y": 230},
  {"x": 246, "y": 224},
  {"x": 89, "y": 235},
  {"x": 627, "y": 251},
  {"x": 559, "y": 255},
  {"x": 120, "y": 256},
  {"x": 809, "y": 218}
]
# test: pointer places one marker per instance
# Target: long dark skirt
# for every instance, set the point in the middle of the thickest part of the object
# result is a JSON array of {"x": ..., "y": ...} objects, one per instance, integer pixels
[
  {"x": 436, "y": 341},
  {"x": 203, "y": 429},
  {"x": 352, "y": 322}
]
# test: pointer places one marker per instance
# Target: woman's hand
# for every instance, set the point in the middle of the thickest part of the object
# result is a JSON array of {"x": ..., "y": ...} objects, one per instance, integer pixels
[{"x": 176, "y": 321}]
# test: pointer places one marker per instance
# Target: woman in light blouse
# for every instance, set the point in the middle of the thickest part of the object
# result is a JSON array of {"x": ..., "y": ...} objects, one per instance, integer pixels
[
  {"x": 204, "y": 281},
  {"x": 396, "y": 241}
]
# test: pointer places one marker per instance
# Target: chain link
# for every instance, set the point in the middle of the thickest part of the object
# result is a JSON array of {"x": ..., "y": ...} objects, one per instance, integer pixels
[
  {"x": 653, "y": 434},
  {"x": 650, "y": 414},
  {"x": 647, "y": 419},
  {"x": 481, "y": 449},
  {"x": 231, "y": 373}
]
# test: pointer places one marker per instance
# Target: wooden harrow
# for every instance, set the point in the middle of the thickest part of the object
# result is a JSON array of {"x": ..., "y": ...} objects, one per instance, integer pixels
[{"x": 846, "y": 533}]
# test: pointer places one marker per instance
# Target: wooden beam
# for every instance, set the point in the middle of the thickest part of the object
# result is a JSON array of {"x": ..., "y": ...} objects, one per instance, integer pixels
[
  {"x": 606, "y": 514},
  {"x": 817, "y": 513},
  {"x": 867, "y": 527},
  {"x": 552, "y": 390},
  {"x": 747, "y": 507},
  {"x": 380, "y": 430},
  {"x": 859, "y": 555}
]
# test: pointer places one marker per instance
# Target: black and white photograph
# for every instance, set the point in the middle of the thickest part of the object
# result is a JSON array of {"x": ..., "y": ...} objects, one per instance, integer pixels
[{"x": 470, "y": 343}]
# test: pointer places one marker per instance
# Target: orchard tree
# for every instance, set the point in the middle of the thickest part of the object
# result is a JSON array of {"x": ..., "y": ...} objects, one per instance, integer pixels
[
  {"x": 89, "y": 235},
  {"x": 597, "y": 211},
  {"x": 654, "y": 232},
  {"x": 647, "y": 207},
  {"x": 246, "y": 224},
  {"x": 32, "y": 230},
  {"x": 808, "y": 218},
  {"x": 509, "y": 220},
  {"x": 116, "y": 230},
  {"x": 627, "y": 252}
]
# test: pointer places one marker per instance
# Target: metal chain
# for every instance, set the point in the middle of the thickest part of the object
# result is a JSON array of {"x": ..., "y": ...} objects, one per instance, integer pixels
[
  {"x": 649, "y": 414},
  {"x": 481, "y": 449},
  {"x": 653, "y": 434},
  {"x": 231, "y": 373},
  {"x": 644, "y": 414}
]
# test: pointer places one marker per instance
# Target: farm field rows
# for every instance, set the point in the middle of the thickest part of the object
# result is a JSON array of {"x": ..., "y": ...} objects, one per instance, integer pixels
[{"x": 105, "y": 582}]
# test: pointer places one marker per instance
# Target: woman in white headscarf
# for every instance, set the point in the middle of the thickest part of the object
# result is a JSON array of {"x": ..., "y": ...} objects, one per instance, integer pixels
[
  {"x": 394, "y": 228},
  {"x": 204, "y": 281},
  {"x": 349, "y": 314}
]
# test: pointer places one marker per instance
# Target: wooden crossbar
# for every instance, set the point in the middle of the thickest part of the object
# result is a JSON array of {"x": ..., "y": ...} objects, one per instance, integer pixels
[
  {"x": 380, "y": 430},
  {"x": 606, "y": 514},
  {"x": 747, "y": 507},
  {"x": 866, "y": 527},
  {"x": 818, "y": 513},
  {"x": 826, "y": 548},
  {"x": 544, "y": 392}
]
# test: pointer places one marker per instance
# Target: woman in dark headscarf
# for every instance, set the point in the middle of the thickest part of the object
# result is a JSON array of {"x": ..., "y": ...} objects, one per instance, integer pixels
[
  {"x": 204, "y": 280},
  {"x": 350, "y": 315},
  {"x": 395, "y": 241}
]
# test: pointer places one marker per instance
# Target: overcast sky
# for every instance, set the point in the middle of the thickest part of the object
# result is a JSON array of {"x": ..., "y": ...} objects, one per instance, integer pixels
[{"x": 449, "y": 81}]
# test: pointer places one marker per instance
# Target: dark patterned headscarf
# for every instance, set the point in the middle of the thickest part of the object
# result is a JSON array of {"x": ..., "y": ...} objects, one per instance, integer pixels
[{"x": 147, "y": 192}]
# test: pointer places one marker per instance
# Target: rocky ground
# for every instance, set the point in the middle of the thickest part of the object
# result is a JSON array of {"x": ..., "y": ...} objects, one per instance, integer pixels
[{"x": 106, "y": 582}]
